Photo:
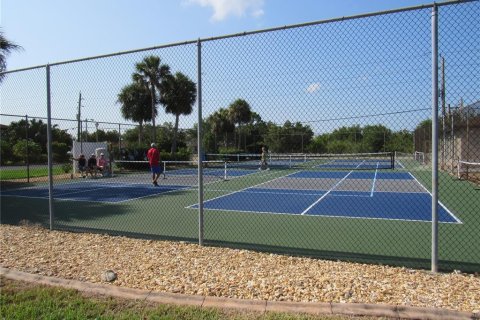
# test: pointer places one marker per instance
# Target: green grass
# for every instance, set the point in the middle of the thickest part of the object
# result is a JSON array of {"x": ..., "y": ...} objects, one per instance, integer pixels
[
  {"x": 22, "y": 300},
  {"x": 11, "y": 174}
]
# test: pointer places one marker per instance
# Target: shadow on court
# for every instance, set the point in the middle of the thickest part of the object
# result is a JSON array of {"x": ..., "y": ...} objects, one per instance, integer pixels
[{"x": 16, "y": 210}]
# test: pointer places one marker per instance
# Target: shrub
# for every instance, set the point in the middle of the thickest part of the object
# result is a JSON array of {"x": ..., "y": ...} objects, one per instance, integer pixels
[
  {"x": 67, "y": 167},
  {"x": 59, "y": 150}
]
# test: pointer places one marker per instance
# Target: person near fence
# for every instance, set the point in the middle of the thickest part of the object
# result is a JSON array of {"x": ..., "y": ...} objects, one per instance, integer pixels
[
  {"x": 92, "y": 166},
  {"x": 153, "y": 156},
  {"x": 263, "y": 160},
  {"x": 82, "y": 165},
  {"x": 102, "y": 165}
]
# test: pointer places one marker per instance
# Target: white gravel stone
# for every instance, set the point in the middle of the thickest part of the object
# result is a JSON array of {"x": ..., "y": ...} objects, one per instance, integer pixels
[{"x": 180, "y": 267}]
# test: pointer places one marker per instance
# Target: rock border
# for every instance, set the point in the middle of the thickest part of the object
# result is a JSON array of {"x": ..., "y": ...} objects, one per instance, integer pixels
[{"x": 315, "y": 308}]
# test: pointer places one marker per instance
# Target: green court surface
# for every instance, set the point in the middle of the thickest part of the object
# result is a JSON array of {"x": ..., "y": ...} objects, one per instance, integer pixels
[{"x": 171, "y": 215}]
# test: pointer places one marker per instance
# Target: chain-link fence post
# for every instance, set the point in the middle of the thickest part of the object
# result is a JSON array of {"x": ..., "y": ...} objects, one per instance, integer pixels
[
  {"x": 200, "y": 144},
  {"x": 49, "y": 150},
  {"x": 434, "y": 266},
  {"x": 27, "y": 162}
]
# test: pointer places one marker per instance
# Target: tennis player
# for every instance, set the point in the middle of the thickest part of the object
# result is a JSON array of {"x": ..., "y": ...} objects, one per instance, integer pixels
[
  {"x": 153, "y": 156},
  {"x": 263, "y": 161}
]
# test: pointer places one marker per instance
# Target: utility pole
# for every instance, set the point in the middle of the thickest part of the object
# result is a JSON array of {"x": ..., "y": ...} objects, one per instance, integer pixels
[
  {"x": 96, "y": 130},
  {"x": 86, "y": 130},
  {"x": 79, "y": 114}
]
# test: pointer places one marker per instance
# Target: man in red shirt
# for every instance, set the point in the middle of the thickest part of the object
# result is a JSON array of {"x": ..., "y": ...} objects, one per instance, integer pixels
[{"x": 153, "y": 156}]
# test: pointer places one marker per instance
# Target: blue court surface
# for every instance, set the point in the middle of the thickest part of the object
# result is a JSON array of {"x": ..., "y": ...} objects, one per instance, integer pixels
[
  {"x": 94, "y": 191},
  {"x": 121, "y": 191},
  {"x": 356, "y": 164},
  {"x": 217, "y": 172},
  {"x": 354, "y": 194}
]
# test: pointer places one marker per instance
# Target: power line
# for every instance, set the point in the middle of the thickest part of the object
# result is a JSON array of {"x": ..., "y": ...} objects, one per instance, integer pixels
[{"x": 367, "y": 115}]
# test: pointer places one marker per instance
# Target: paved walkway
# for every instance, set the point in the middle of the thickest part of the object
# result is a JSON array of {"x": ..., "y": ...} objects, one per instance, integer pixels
[{"x": 351, "y": 309}]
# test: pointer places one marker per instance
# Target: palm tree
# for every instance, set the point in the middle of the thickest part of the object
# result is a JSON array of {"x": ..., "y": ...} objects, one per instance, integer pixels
[
  {"x": 178, "y": 95},
  {"x": 5, "y": 48},
  {"x": 221, "y": 124},
  {"x": 150, "y": 74},
  {"x": 136, "y": 105},
  {"x": 240, "y": 112}
]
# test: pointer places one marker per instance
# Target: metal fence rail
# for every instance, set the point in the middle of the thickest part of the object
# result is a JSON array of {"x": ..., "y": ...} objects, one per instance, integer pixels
[{"x": 354, "y": 138}]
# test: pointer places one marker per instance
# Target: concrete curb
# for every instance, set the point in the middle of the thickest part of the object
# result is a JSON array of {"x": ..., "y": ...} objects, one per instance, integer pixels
[{"x": 351, "y": 309}]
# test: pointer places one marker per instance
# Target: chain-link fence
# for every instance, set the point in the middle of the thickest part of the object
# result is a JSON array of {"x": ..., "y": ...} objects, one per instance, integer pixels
[{"x": 315, "y": 139}]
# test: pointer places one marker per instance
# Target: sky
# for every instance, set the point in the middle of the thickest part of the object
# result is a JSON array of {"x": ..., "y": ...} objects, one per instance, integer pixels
[
  {"x": 325, "y": 76},
  {"x": 56, "y": 30}
]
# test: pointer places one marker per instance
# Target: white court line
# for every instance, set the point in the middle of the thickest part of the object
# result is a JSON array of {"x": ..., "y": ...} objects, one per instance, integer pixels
[
  {"x": 317, "y": 216},
  {"x": 104, "y": 186},
  {"x": 374, "y": 180},
  {"x": 154, "y": 194},
  {"x": 58, "y": 199},
  {"x": 188, "y": 188},
  {"x": 400, "y": 163},
  {"x": 331, "y": 189},
  {"x": 301, "y": 192},
  {"x": 322, "y": 197},
  {"x": 62, "y": 191},
  {"x": 444, "y": 207},
  {"x": 237, "y": 191},
  {"x": 349, "y": 195},
  {"x": 85, "y": 190}
]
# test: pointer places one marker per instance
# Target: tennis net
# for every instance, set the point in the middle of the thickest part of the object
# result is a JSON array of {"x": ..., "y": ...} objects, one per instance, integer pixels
[
  {"x": 351, "y": 161},
  {"x": 419, "y": 156},
  {"x": 468, "y": 170},
  {"x": 180, "y": 172}
]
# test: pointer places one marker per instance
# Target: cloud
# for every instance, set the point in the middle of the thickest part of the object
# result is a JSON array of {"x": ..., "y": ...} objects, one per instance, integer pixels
[
  {"x": 313, "y": 87},
  {"x": 224, "y": 8}
]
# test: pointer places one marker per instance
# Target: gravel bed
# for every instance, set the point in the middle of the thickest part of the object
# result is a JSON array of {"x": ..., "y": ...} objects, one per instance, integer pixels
[{"x": 190, "y": 269}]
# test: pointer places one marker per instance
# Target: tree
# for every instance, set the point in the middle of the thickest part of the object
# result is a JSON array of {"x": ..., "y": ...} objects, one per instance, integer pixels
[
  {"x": 376, "y": 137},
  {"x": 5, "y": 152},
  {"x": 150, "y": 74},
  {"x": 178, "y": 96},
  {"x": 340, "y": 146},
  {"x": 220, "y": 123},
  {"x": 423, "y": 136},
  {"x": 401, "y": 141},
  {"x": 319, "y": 144},
  {"x": 240, "y": 113},
  {"x": 37, "y": 132},
  {"x": 59, "y": 151},
  {"x": 353, "y": 133},
  {"x": 288, "y": 138},
  {"x": 34, "y": 150},
  {"x": 136, "y": 105},
  {"x": 256, "y": 129},
  {"x": 164, "y": 140},
  {"x": 6, "y": 47}
]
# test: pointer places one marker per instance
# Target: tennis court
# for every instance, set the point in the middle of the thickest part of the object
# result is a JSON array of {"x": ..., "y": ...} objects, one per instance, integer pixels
[
  {"x": 125, "y": 187},
  {"x": 94, "y": 191},
  {"x": 244, "y": 206},
  {"x": 367, "y": 194},
  {"x": 353, "y": 194}
]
